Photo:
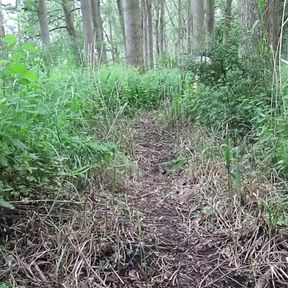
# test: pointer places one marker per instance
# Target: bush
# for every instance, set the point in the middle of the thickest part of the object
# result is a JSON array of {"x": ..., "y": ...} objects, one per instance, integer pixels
[
  {"x": 44, "y": 126},
  {"x": 117, "y": 86},
  {"x": 47, "y": 118}
]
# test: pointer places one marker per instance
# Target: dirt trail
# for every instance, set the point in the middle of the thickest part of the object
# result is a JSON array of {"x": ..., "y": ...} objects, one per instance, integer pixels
[
  {"x": 167, "y": 204},
  {"x": 99, "y": 242}
]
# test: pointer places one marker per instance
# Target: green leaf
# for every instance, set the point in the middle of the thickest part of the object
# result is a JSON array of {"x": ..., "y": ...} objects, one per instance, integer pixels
[
  {"x": 29, "y": 47},
  {"x": 17, "y": 56},
  {"x": 10, "y": 39},
  {"x": 6, "y": 204},
  {"x": 3, "y": 100},
  {"x": 16, "y": 68},
  {"x": 29, "y": 75}
]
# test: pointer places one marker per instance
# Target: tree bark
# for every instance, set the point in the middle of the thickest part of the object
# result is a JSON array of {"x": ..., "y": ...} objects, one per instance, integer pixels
[
  {"x": 157, "y": 27},
  {"x": 42, "y": 14},
  {"x": 248, "y": 19},
  {"x": 189, "y": 27},
  {"x": 88, "y": 30},
  {"x": 228, "y": 20},
  {"x": 198, "y": 24},
  {"x": 161, "y": 28},
  {"x": 133, "y": 33},
  {"x": 69, "y": 21},
  {"x": 210, "y": 18},
  {"x": 145, "y": 33},
  {"x": 121, "y": 19},
  {"x": 111, "y": 41},
  {"x": 2, "y": 27},
  {"x": 148, "y": 33},
  {"x": 273, "y": 17},
  {"x": 98, "y": 31}
]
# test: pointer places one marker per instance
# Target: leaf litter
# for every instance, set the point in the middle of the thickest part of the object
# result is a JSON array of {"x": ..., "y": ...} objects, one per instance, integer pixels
[{"x": 172, "y": 224}]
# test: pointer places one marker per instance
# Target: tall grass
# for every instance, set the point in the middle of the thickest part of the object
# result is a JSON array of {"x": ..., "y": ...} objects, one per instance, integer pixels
[{"x": 48, "y": 119}]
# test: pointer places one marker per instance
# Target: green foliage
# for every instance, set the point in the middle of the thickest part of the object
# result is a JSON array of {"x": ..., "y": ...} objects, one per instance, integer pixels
[
  {"x": 275, "y": 212},
  {"x": 118, "y": 86},
  {"x": 235, "y": 96},
  {"x": 44, "y": 126},
  {"x": 47, "y": 119}
]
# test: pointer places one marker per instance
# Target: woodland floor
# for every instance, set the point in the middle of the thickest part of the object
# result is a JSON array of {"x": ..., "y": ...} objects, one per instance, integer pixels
[{"x": 147, "y": 234}]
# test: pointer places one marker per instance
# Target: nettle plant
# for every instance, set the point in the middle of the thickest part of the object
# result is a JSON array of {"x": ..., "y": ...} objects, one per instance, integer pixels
[
  {"x": 16, "y": 77},
  {"x": 41, "y": 141}
]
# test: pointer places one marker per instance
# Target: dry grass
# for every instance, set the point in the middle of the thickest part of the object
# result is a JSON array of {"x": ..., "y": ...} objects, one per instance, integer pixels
[
  {"x": 251, "y": 251},
  {"x": 94, "y": 243},
  {"x": 180, "y": 221}
]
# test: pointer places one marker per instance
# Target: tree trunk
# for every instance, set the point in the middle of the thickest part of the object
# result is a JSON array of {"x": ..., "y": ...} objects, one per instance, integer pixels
[
  {"x": 157, "y": 27},
  {"x": 69, "y": 21},
  {"x": 121, "y": 19},
  {"x": 111, "y": 41},
  {"x": 189, "y": 27},
  {"x": 42, "y": 14},
  {"x": 210, "y": 18},
  {"x": 98, "y": 31},
  {"x": 273, "y": 19},
  {"x": 179, "y": 33},
  {"x": 88, "y": 30},
  {"x": 248, "y": 17},
  {"x": 2, "y": 28},
  {"x": 133, "y": 33},
  {"x": 198, "y": 24},
  {"x": 228, "y": 19},
  {"x": 161, "y": 28},
  {"x": 150, "y": 33},
  {"x": 145, "y": 33}
]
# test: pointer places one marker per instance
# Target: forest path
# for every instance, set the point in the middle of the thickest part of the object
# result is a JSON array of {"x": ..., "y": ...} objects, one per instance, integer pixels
[
  {"x": 100, "y": 241},
  {"x": 178, "y": 256}
]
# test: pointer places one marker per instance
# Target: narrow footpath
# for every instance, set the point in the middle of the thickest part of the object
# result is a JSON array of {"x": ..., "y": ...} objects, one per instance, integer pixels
[{"x": 181, "y": 257}]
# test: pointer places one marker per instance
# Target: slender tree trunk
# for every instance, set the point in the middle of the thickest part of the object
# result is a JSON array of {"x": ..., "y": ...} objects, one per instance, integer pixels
[
  {"x": 111, "y": 41},
  {"x": 149, "y": 24},
  {"x": 18, "y": 9},
  {"x": 198, "y": 24},
  {"x": 161, "y": 28},
  {"x": 248, "y": 17},
  {"x": 98, "y": 31},
  {"x": 69, "y": 21},
  {"x": 133, "y": 33},
  {"x": 145, "y": 34},
  {"x": 157, "y": 27},
  {"x": 88, "y": 30},
  {"x": 42, "y": 14},
  {"x": 210, "y": 19},
  {"x": 179, "y": 33},
  {"x": 228, "y": 20},
  {"x": 189, "y": 27},
  {"x": 2, "y": 28},
  {"x": 121, "y": 19}
]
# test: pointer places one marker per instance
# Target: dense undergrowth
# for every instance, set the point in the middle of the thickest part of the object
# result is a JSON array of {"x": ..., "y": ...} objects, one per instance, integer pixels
[
  {"x": 55, "y": 122},
  {"x": 61, "y": 126}
]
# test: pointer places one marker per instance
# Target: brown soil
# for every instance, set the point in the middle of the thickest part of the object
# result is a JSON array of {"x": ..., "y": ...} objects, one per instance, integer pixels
[{"x": 178, "y": 256}]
